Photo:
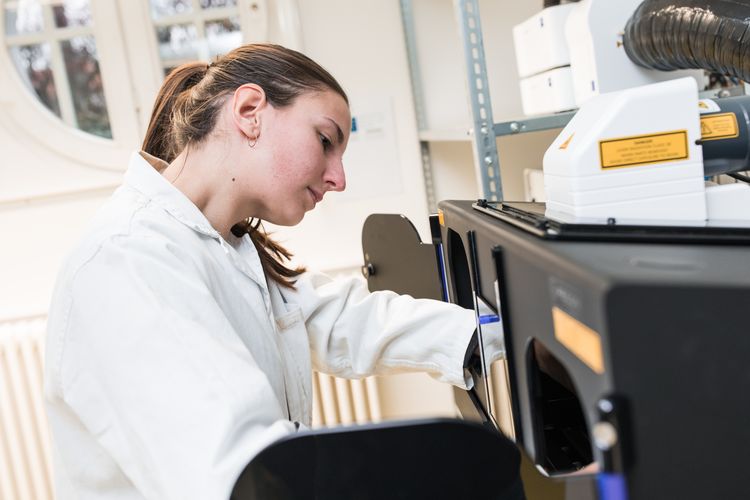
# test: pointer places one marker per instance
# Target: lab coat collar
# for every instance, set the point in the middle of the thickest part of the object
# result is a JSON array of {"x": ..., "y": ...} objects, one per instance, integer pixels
[{"x": 144, "y": 175}]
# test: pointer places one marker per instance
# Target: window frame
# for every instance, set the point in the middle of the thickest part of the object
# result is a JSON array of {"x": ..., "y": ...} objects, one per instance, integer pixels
[
  {"x": 199, "y": 17},
  {"x": 127, "y": 51},
  {"x": 55, "y": 134}
]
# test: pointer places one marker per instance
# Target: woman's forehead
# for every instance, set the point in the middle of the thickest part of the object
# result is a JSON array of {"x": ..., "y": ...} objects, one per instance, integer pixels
[
  {"x": 327, "y": 99},
  {"x": 326, "y": 105}
]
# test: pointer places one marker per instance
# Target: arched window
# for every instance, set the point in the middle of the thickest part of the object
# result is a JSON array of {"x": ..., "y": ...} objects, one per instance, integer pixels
[
  {"x": 187, "y": 30},
  {"x": 80, "y": 76},
  {"x": 52, "y": 47}
]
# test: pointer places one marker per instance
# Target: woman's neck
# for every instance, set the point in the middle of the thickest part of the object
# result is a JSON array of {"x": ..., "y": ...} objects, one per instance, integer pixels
[{"x": 201, "y": 174}]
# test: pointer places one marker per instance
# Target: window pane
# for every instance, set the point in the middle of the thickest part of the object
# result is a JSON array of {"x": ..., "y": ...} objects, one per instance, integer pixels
[
  {"x": 86, "y": 88},
  {"x": 163, "y": 8},
  {"x": 71, "y": 13},
  {"x": 23, "y": 17},
  {"x": 33, "y": 65},
  {"x": 177, "y": 43},
  {"x": 223, "y": 35},
  {"x": 211, "y": 4}
]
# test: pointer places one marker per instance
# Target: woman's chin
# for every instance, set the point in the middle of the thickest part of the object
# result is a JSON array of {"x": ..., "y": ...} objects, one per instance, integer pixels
[{"x": 287, "y": 219}]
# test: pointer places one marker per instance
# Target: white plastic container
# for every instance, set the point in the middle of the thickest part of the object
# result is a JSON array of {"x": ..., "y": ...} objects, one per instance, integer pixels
[
  {"x": 540, "y": 41},
  {"x": 548, "y": 92},
  {"x": 728, "y": 204}
]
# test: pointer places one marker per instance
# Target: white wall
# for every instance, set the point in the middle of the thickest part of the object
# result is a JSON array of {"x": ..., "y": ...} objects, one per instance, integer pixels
[
  {"x": 447, "y": 108},
  {"x": 45, "y": 201},
  {"x": 35, "y": 238}
]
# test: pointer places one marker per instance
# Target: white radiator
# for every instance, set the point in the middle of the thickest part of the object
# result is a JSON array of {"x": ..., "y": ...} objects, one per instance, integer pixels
[
  {"x": 338, "y": 401},
  {"x": 25, "y": 459}
]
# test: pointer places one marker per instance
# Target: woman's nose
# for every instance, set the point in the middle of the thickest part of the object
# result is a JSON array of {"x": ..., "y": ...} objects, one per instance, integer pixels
[{"x": 335, "y": 177}]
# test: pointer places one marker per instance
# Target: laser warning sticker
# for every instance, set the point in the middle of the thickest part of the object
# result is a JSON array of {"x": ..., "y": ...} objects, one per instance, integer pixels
[
  {"x": 641, "y": 150},
  {"x": 581, "y": 340},
  {"x": 565, "y": 144},
  {"x": 708, "y": 106},
  {"x": 721, "y": 126}
]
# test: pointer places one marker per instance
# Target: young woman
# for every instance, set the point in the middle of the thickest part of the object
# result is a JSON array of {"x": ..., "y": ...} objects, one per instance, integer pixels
[{"x": 180, "y": 343}]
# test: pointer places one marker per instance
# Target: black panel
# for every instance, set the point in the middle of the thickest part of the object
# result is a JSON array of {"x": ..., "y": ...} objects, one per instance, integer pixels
[
  {"x": 458, "y": 271},
  {"x": 680, "y": 355},
  {"x": 670, "y": 323},
  {"x": 531, "y": 218},
  {"x": 397, "y": 460},
  {"x": 396, "y": 259}
]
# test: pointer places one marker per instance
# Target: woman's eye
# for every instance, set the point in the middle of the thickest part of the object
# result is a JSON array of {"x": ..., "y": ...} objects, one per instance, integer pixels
[{"x": 325, "y": 141}]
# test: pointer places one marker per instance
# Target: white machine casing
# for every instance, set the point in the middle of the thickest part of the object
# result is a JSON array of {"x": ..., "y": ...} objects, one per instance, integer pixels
[
  {"x": 548, "y": 92},
  {"x": 728, "y": 204},
  {"x": 579, "y": 187},
  {"x": 540, "y": 41},
  {"x": 594, "y": 32}
]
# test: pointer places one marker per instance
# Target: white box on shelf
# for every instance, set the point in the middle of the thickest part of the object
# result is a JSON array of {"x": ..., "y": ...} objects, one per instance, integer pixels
[
  {"x": 548, "y": 92},
  {"x": 540, "y": 41},
  {"x": 533, "y": 185}
]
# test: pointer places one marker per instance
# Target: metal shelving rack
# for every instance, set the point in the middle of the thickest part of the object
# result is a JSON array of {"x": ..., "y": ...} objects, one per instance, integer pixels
[{"x": 484, "y": 131}]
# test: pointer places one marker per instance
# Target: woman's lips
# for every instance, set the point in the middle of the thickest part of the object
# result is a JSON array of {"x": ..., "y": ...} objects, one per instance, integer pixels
[{"x": 316, "y": 196}]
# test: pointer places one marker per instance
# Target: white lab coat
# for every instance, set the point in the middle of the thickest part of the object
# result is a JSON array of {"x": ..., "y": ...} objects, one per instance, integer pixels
[{"x": 171, "y": 361}]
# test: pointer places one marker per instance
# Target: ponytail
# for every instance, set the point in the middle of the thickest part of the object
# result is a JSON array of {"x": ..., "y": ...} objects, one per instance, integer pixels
[
  {"x": 159, "y": 140},
  {"x": 189, "y": 101}
]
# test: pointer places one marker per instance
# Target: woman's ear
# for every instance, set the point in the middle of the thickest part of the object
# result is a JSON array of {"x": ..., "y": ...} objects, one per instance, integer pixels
[{"x": 248, "y": 101}]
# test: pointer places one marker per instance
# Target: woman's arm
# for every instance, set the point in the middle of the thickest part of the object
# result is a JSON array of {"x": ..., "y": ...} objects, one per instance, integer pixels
[{"x": 354, "y": 333}]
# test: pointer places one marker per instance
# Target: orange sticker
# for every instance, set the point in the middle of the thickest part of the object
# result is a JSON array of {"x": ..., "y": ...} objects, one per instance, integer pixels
[
  {"x": 565, "y": 144},
  {"x": 719, "y": 126},
  {"x": 639, "y": 150},
  {"x": 579, "y": 339}
]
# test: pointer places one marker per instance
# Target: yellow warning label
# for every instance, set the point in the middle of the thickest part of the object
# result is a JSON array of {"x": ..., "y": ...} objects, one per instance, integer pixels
[
  {"x": 441, "y": 218},
  {"x": 644, "y": 149},
  {"x": 720, "y": 126},
  {"x": 579, "y": 339},
  {"x": 565, "y": 144}
]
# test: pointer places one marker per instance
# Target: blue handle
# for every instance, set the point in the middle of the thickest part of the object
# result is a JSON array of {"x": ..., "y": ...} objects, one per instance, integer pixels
[
  {"x": 488, "y": 318},
  {"x": 611, "y": 486}
]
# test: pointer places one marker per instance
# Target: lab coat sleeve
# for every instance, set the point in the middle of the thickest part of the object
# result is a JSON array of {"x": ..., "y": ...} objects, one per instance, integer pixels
[
  {"x": 159, "y": 376},
  {"x": 354, "y": 333}
]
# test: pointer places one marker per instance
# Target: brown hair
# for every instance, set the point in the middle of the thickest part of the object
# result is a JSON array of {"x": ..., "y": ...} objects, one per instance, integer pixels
[{"x": 191, "y": 96}]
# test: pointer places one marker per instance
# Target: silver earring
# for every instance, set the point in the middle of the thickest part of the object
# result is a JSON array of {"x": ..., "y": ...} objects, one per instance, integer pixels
[{"x": 252, "y": 141}]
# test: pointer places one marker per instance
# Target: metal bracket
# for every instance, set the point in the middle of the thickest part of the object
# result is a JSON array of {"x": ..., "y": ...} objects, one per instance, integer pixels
[
  {"x": 407, "y": 18},
  {"x": 485, "y": 145}
]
